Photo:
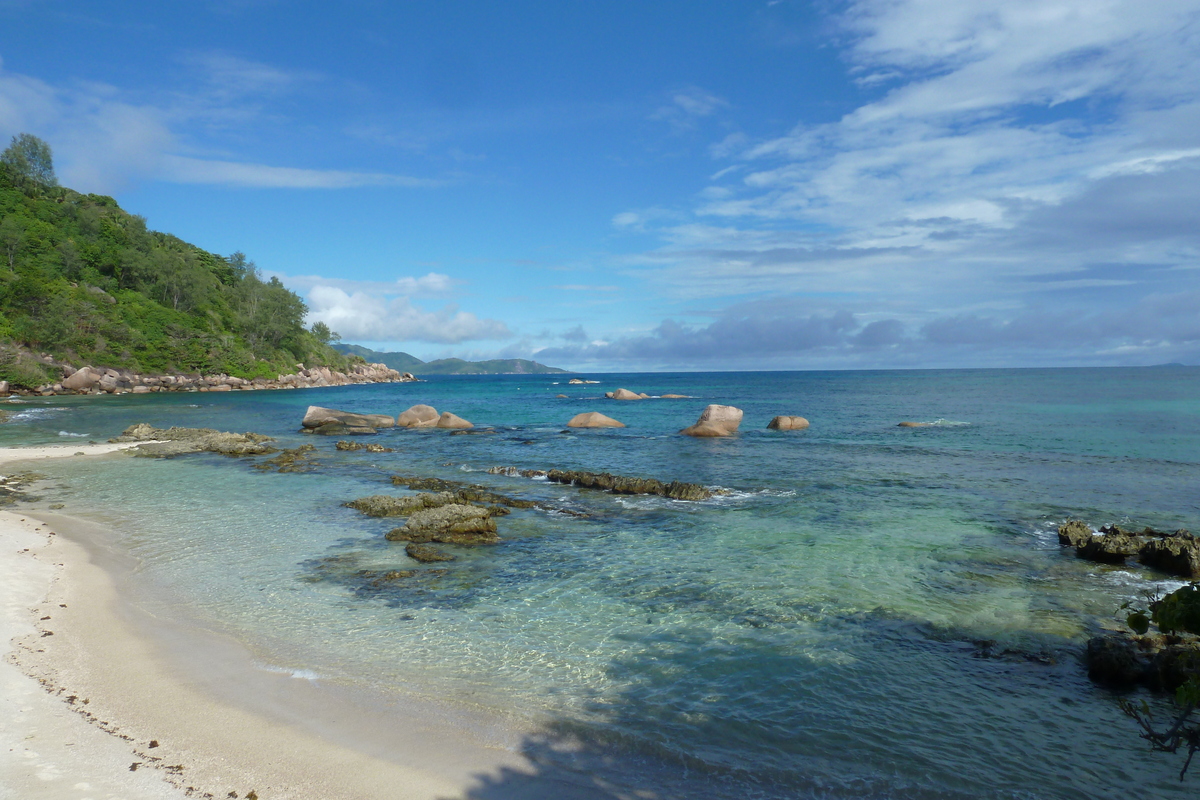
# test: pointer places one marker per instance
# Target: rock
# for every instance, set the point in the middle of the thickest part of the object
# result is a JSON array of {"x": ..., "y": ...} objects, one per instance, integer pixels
[
  {"x": 454, "y": 523},
  {"x": 448, "y": 420},
  {"x": 788, "y": 424},
  {"x": 382, "y": 505},
  {"x": 344, "y": 444},
  {"x": 575, "y": 381},
  {"x": 316, "y": 417},
  {"x": 419, "y": 416},
  {"x": 426, "y": 554},
  {"x": 716, "y": 420},
  {"x": 377, "y": 448},
  {"x": 624, "y": 394},
  {"x": 593, "y": 419},
  {"x": 1116, "y": 661},
  {"x": 82, "y": 379},
  {"x": 178, "y": 441},
  {"x": 297, "y": 459},
  {"x": 463, "y": 492},
  {"x": 618, "y": 484},
  {"x": 1173, "y": 665},
  {"x": 142, "y": 390},
  {"x": 1176, "y": 555},
  {"x": 914, "y": 424},
  {"x": 561, "y": 397},
  {"x": 1111, "y": 548},
  {"x": 340, "y": 429},
  {"x": 675, "y": 396},
  {"x": 1074, "y": 533}
]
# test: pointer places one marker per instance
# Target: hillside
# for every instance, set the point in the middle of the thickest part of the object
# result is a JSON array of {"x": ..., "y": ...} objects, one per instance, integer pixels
[
  {"x": 88, "y": 283},
  {"x": 450, "y": 366}
]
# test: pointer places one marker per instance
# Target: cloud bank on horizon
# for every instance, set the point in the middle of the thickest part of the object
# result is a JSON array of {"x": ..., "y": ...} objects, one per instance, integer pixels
[{"x": 981, "y": 184}]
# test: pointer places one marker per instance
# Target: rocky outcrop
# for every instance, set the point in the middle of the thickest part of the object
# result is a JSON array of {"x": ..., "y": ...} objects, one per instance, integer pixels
[
  {"x": 344, "y": 444},
  {"x": 298, "y": 459},
  {"x": 382, "y": 505},
  {"x": 453, "y": 422},
  {"x": 1158, "y": 662},
  {"x": 463, "y": 492},
  {"x": 675, "y": 396},
  {"x": 107, "y": 380},
  {"x": 454, "y": 523},
  {"x": 419, "y": 416},
  {"x": 716, "y": 420},
  {"x": 1176, "y": 553},
  {"x": 593, "y": 419},
  {"x": 619, "y": 484},
  {"x": 577, "y": 381},
  {"x": 625, "y": 394},
  {"x": 788, "y": 424},
  {"x": 161, "y": 443},
  {"x": 914, "y": 425},
  {"x": 316, "y": 417}
]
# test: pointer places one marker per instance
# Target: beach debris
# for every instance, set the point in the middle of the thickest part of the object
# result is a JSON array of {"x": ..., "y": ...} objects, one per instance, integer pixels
[
  {"x": 593, "y": 419},
  {"x": 788, "y": 424},
  {"x": 715, "y": 420},
  {"x": 297, "y": 459},
  {"x": 1176, "y": 553},
  {"x": 164, "y": 443}
]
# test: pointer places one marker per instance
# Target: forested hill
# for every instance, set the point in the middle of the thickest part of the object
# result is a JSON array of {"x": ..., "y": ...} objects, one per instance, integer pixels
[
  {"x": 89, "y": 283},
  {"x": 450, "y": 366}
]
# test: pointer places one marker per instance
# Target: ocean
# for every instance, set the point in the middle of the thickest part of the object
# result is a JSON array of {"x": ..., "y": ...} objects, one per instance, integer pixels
[{"x": 865, "y": 611}]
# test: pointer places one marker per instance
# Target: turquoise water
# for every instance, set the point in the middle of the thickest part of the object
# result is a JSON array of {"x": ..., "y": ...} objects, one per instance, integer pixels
[{"x": 835, "y": 626}]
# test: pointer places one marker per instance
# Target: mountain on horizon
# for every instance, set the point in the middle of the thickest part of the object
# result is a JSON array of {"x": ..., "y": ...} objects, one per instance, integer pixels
[{"x": 403, "y": 362}]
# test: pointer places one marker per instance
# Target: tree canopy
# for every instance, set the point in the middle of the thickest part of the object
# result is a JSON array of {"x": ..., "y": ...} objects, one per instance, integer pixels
[{"x": 30, "y": 158}]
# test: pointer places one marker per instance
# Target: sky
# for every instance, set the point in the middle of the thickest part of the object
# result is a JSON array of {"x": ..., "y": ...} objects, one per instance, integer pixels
[{"x": 676, "y": 185}]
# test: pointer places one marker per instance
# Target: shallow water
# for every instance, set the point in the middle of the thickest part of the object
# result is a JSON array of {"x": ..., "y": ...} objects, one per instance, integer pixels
[{"x": 834, "y": 626}]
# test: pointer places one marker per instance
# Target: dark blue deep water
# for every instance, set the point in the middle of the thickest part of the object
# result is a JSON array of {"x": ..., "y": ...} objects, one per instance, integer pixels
[{"x": 869, "y": 611}]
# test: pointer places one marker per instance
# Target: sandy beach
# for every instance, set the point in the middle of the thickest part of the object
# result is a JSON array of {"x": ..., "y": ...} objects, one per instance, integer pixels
[{"x": 102, "y": 699}]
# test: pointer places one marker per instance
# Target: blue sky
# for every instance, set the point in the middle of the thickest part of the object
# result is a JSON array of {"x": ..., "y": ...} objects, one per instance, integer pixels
[{"x": 667, "y": 185}]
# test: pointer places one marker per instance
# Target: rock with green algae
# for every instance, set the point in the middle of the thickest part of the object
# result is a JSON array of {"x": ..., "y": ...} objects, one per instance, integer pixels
[
  {"x": 297, "y": 459},
  {"x": 454, "y": 523},
  {"x": 426, "y": 554},
  {"x": 382, "y": 505},
  {"x": 166, "y": 442}
]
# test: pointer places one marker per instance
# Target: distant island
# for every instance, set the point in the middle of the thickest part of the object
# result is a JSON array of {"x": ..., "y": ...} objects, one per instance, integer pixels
[{"x": 403, "y": 362}]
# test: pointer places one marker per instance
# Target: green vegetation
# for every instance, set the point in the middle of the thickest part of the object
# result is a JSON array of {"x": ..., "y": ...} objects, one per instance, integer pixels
[
  {"x": 89, "y": 283},
  {"x": 1176, "y": 616},
  {"x": 450, "y": 366}
]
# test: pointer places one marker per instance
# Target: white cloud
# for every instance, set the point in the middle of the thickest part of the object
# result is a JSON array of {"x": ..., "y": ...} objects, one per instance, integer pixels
[
  {"x": 688, "y": 105},
  {"x": 368, "y": 317},
  {"x": 104, "y": 139}
]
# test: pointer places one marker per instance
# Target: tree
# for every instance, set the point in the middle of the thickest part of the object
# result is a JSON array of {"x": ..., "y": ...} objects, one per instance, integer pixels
[
  {"x": 29, "y": 157},
  {"x": 326, "y": 336},
  {"x": 1177, "y": 613}
]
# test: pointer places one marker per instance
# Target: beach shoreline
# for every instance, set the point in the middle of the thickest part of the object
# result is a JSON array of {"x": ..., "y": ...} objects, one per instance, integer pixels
[{"x": 92, "y": 680}]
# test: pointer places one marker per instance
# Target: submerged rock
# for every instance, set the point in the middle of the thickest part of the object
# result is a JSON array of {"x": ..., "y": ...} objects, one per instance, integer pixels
[
  {"x": 624, "y": 394},
  {"x": 344, "y": 444},
  {"x": 166, "y": 442},
  {"x": 914, "y": 425},
  {"x": 426, "y": 554},
  {"x": 452, "y": 421},
  {"x": 715, "y": 420},
  {"x": 298, "y": 459},
  {"x": 341, "y": 429}
]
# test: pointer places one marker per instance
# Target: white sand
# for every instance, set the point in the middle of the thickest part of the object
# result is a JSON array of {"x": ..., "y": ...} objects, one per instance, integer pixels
[
  {"x": 87, "y": 683},
  {"x": 11, "y": 454}
]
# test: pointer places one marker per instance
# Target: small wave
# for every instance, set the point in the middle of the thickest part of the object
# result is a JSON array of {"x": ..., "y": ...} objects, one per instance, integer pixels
[
  {"x": 36, "y": 413},
  {"x": 302, "y": 674},
  {"x": 948, "y": 423},
  {"x": 76, "y": 435}
]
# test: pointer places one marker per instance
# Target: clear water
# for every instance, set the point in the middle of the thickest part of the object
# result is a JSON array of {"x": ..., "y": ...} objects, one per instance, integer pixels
[{"x": 835, "y": 626}]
